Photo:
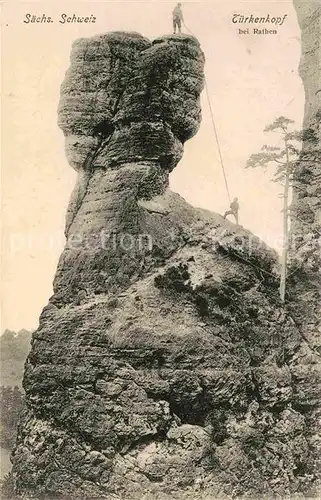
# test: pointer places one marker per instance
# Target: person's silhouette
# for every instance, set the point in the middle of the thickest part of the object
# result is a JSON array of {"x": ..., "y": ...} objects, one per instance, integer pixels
[
  {"x": 177, "y": 18},
  {"x": 234, "y": 210}
]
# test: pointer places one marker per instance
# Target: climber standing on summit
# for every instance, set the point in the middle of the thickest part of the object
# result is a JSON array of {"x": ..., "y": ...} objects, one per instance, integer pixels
[
  {"x": 177, "y": 18},
  {"x": 234, "y": 210}
]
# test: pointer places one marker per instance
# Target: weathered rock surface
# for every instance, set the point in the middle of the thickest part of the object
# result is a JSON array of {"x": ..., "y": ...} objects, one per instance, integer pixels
[
  {"x": 306, "y": 213},
  {"x": 307, "y": 188},
  {"x": 163, "y": 365},
  {"x": 304, "y": 275}
]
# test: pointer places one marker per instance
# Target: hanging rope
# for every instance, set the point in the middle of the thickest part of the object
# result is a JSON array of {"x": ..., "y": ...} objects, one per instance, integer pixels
[
  {"x": 214, "y": 128},
  {"x": 217, "y": 141},
  {"x": 188, "y": 29}
]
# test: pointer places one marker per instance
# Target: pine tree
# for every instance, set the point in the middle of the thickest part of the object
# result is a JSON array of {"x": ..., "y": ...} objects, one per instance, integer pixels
[{"x": 285, "y": 160}]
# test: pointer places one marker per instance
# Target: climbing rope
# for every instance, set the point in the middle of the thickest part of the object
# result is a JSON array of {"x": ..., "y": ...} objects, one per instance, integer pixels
[
  {"x": 217, "y": 141},
  {"x": 214, "y": 128},
  {"x": 188, "y": 29}
]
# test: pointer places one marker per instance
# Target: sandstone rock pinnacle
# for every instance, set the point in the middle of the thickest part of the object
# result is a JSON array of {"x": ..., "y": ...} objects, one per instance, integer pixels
[{"x": 162, "y": 365}]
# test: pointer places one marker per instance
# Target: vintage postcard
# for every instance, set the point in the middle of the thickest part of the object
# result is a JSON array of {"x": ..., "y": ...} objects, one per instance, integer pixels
[{"x": 160, "y": 223}]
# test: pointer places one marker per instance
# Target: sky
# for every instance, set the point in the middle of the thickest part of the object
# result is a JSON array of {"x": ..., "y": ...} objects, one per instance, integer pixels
[{"x": 252, "y": 79}]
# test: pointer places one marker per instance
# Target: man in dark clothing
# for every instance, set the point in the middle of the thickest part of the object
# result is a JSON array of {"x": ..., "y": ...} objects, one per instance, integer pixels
[
  {"x": 234, "y": 210},
  {"x": 177, "y": 18}
]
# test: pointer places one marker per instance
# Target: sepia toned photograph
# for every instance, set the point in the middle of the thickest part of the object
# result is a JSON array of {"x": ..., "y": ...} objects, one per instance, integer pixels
[{"x": 160, "y": 250}]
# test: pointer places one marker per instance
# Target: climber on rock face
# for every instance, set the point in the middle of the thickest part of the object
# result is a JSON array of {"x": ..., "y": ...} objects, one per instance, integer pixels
[
  {"x": 177, "y": 18},
  {"x": 234, "y": 210}
]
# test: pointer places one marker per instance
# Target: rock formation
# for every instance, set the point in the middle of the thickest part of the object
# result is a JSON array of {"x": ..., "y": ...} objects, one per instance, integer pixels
[
  {"x": 304, "y": 278},
  {"x": 306, "y": 208},
  {"x": 163, "y": 365}
]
